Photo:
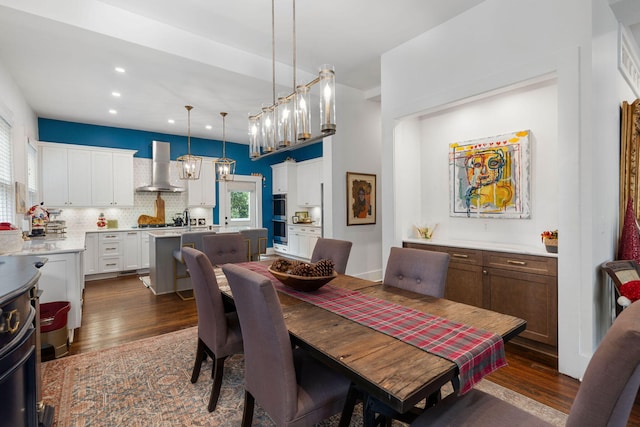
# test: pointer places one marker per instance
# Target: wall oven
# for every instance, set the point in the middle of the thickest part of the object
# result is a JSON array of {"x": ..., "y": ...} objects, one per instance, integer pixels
[
  {"x": 280, "y": 207},
  {"x": 280, "y": 219},
  {"x": 280, "y": 232}
]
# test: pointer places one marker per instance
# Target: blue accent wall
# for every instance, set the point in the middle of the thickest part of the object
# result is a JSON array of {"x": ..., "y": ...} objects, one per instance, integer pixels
[{"x": 111, "y": 137}]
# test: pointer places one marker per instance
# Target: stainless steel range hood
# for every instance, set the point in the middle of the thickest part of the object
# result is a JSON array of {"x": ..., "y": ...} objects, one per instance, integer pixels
[{"x": 160, "y": 170}]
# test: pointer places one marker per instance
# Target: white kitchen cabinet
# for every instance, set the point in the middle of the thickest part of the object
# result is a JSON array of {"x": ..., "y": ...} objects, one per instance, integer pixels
[
  {"x": 90, "y": 254},
  {"x": 130, "y": 250},
  {"x": 65, "y": 176},
  {"x": 79, "y": 176},
  {"x": 111, "y": 179},
  {"x": 61, "y": 280},
  {"x": 302, "y": 240},
  {"x": 144, "y": 249},
  {"x": 309, "y": 179},
  {"x": 202, "y": 192},
  {"x": 110, "y": 252},
  {"x": 282, "y": 175}
]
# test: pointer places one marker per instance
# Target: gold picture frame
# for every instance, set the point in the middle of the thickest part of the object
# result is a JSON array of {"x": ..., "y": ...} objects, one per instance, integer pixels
[{"x": 361, "y": 198}]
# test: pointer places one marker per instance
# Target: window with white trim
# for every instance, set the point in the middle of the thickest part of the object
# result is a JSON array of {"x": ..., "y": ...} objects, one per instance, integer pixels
[{"x": 7, "y": 200}]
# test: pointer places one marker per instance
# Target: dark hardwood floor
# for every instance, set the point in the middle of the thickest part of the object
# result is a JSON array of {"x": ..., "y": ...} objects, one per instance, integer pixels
[{"x": 123, "y": 310}]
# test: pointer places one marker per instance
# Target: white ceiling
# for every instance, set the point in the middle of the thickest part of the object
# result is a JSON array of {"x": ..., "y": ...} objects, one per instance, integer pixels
[{"x": 213, "y": 55}]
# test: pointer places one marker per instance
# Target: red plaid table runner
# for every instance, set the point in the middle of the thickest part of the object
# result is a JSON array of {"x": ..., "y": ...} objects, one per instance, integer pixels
[{"x": 476, "y": 352}]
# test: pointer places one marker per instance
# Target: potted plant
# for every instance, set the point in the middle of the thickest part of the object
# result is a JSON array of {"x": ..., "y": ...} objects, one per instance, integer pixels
[{"x": 550, "y": 240}]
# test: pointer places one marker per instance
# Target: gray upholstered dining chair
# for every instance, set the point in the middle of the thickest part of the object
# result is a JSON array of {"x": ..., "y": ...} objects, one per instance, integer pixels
[
  {"x": 605, "y": 397},
  {"x": 292, "y": 387},
  {"x": 223, "y": 248},
  {"x": 336, "y": 250},
  {"x": 190, "y": 239},
  {"x": 219, "y": 333},
  {"x": 257, "y": 242},
  {"x": 417, "y": 270}
]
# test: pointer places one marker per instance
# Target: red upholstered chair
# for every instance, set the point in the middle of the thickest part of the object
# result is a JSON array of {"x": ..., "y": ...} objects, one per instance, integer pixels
[
  {"x": 605, "y": 397},
  {"x": 219, "y": 333},
  {"x": 417, "y": 270},
  {"x": 336, "y": 250},
  {"x": 292, "y": 387},
  {"x": 625, "y": 275}
]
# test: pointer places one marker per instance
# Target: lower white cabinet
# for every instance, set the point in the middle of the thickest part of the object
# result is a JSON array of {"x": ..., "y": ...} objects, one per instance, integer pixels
[
  {"x": 90, "y": 254},
  {"x": 302, "y": 240},
  {"x": 110, "y": 252},
  {"x": 144, "y": 249},
  {"x": 61, "y": 280},
  {"x": 115, "y": 251},
  {"x": 131, "y": 250}
]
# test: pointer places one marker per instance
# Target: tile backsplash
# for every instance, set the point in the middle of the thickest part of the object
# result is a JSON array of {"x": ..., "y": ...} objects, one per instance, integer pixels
[{"x": 81, "y": 219}]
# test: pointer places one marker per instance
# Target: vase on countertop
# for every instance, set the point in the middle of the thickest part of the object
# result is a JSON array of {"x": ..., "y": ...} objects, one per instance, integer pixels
[{"x": 550, "y": 244}]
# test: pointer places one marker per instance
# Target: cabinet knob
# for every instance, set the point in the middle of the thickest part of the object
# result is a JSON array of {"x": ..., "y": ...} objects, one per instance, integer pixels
[{"x": 485, "y": 272}]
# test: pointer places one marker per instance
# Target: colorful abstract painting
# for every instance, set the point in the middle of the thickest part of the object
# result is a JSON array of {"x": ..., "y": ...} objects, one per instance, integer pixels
[{"x": 489, "y": 177}]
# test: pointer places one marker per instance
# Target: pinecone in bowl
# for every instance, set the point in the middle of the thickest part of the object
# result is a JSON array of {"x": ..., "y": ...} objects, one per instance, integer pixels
[{"x": 324, "y": 267}]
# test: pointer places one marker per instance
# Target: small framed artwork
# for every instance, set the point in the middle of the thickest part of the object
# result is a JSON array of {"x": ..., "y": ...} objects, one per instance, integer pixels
[{"x": 361, "y": 198}]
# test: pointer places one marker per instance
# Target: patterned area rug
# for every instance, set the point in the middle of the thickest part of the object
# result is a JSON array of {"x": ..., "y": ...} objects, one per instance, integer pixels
[{"x": 147, "y": 383}]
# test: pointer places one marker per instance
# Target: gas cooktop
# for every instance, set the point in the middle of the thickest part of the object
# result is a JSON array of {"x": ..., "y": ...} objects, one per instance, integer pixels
[{"x": 156, "y": 225}]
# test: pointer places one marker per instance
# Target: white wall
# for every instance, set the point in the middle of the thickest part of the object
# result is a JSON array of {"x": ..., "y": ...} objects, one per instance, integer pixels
[
  {"x": 23, "y": 121},
  {"x": 533, "y": 107},
  {"x": 354, "y": 148},
  {"x": 486, "y": 49}
]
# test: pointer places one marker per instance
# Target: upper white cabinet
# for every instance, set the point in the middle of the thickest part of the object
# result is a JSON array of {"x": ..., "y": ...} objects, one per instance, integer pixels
[
  {"x": 78, "y": 176},
  {"x": 309, "y": 179},
  {"x": 111, "y": 179},
  {"x": 282, "y": 174},
  {"x": 202, "y": 192},
  {"x": 65, "y": 175}
]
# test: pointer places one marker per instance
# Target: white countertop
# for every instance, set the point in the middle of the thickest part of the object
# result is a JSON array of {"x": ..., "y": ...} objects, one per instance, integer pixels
[
  {"x": 490, "y": 246},
  {"x": 301, "y": 224},
  {"x": 177, "y": 231},
  {"x": 74, "y": 243}
]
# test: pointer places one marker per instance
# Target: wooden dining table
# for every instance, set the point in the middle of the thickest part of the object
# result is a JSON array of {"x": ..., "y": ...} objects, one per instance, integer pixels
[{"x": 394, "y": 372}]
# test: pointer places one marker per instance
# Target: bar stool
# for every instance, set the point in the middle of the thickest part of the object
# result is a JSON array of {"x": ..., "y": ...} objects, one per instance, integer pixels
[
  {"x": 256, "y": 241},
  {"x": 191, "y": 239}
]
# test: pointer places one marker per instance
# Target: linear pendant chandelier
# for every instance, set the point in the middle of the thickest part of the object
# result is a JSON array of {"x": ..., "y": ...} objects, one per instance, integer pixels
[{"x": 286, "y": 123}]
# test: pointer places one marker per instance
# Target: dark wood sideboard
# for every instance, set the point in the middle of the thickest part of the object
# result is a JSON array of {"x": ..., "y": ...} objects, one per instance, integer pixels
[{"x": 525, "y": 286}]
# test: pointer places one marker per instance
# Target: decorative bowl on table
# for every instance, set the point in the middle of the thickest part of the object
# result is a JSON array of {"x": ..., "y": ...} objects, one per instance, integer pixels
[{"x": 302, "y": 283}]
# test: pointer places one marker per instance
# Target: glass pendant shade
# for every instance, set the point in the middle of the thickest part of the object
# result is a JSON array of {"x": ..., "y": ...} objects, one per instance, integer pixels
[
  {"x": 254, "y": 136},
  {"x": 303, "y": 113},
  {"x": 327, "y": 99},
  {"x": 285, "y": 119},
  {"x": 188, "y": 165},
  {"x": 268, "y": 129},
  {"x": 225, "y": 168}
]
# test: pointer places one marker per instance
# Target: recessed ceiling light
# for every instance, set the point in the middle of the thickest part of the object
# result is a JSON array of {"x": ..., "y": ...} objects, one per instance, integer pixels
[
  {"x": 116, "y": 94},
  {"x": 171, "y": 121},
  {"x": 112, "y": 111},
  {"x": 120, "y": 69},
  {"x": 208, "y": 126}
]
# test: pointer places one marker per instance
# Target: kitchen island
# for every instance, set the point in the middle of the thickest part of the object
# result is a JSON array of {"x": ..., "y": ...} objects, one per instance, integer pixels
[
  {"x": 62, "y": 277},
  {"x": 161, "y": 246}
]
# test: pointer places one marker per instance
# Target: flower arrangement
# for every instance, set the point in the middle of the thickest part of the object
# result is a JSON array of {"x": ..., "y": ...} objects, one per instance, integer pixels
[
  {"x": 549, "y": 235},
  {"x": 550, "y": 240},
  {"x": 426, "y": 231}
]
